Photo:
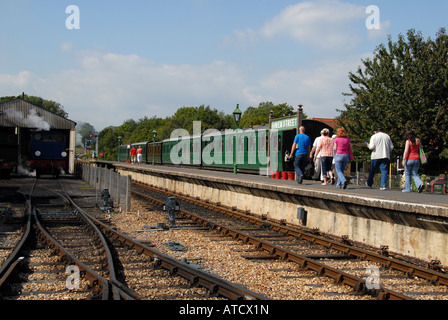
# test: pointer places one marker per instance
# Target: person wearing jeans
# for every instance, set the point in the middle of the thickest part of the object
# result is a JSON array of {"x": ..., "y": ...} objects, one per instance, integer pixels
[
  {"x": 381, "y": 146},
  {"x": 302, "y": 148},
  {"x": 326, "y": 151},
  {"x": 411, "y": 162},
  {"x": 383, "y": 164},
  {"x": 343, "y": 154}
]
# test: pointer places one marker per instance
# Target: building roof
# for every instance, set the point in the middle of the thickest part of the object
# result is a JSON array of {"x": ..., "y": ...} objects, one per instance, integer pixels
[
  {"x": 329, "y": 122},
  {"x": 22, "y": 114}
]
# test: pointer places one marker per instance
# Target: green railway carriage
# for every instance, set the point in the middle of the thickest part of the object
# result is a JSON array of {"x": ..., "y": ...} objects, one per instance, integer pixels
[
  {"x": 259, "y": 149},
  {"x": 213, "y": 150},
  {"x": 124, "y": 152},
  {"x": 252, "y": 149},
  {"x": 154, "y": 152},
  {"x": 236, "y": 149},
  {"x": 182, "y": 151}
]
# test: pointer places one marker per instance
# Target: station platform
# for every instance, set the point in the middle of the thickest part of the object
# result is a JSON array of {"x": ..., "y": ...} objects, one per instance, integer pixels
[
  {"x": 424, "y": 198},
  {"x": 437, "y": 202},
  {"x": 414, "y": 224}
]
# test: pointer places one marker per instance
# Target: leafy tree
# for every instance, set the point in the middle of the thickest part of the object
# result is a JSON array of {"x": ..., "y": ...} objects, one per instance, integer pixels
[
  {"x": 144, "y": 129},
  {"x": 108, "y": 143},
  {"x": 185, "y": 116},
  {"x": 260, "y": 115},
  {"x": 404, "y": 86}
]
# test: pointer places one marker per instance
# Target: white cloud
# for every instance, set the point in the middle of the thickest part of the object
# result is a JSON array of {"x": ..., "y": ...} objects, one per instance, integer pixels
[
  {"x": 321, "y": 24},
  {"x": 9, "y": 82},
  {"x": 317, "y": 87},
  {"x": 107, "y": 88}
]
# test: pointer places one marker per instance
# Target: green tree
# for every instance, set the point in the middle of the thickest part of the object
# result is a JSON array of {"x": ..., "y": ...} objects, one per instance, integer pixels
[
  {"x": 260, "y": 115},
  {"x": 185, "y": 116},
  {"x": 144, "y": 128},
  {"x": 404, "y": 86},
  {"x": 108, "y": 143}
]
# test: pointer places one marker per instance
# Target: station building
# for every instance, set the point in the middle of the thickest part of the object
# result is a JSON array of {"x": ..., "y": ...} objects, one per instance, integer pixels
[{"x": 17, "y": 119}]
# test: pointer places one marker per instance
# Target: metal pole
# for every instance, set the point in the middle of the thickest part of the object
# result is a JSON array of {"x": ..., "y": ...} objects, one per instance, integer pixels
[
  {"x": 96, "y": 146},
  {"x": 299, "y": 117},
  {"x": 153, "y": 151}
]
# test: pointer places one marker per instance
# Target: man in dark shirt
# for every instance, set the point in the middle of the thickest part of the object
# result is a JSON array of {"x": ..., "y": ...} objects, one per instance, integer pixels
[{"x": 302, "y": 143}]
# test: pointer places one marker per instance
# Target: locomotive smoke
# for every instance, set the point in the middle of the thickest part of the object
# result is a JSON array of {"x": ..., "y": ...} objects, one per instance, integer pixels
[{"x": 33, "y": 120}]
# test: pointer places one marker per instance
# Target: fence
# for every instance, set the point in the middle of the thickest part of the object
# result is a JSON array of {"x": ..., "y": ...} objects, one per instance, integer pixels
[
  {"x": 102, "y": 178},
  {"x": 359, "y": 172}
]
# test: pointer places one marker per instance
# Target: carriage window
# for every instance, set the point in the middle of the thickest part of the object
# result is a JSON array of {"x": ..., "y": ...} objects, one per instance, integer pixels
[{"x": 253, "y": 144}]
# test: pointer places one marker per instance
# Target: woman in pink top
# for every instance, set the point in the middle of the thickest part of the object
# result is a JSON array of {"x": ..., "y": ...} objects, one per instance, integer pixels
[
  {"x": 343, "y": 148},
  {"x": 326, "y": 149},
  {"x": 411, "y": 162}
]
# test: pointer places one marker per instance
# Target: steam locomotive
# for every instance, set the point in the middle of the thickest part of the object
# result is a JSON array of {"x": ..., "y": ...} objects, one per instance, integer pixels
[{"x": 49, "y": 152}]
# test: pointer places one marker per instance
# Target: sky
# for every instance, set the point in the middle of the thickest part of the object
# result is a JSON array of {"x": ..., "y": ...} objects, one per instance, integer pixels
[{"x": 107, "y": 61}]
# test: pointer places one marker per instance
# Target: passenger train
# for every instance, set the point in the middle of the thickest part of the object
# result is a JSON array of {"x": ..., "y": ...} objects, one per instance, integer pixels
[{"x": 252, "y": 150}]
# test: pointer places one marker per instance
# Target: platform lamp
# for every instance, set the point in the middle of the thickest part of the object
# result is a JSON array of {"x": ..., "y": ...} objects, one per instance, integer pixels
[
  {"x": 119, "y": 144},
  {"x": 154, "y": 135},
  {"x": 237, "y": 116}
]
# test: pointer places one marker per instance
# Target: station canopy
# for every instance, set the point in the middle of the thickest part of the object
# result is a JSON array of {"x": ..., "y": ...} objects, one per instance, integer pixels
[{"x": 22, "y": 114}]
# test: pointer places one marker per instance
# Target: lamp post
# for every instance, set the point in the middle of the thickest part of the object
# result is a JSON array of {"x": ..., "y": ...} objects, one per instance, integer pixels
[
  {"x": 119, "y": 144},
  {"x": 154, "y": 135},
  {"x": 96, "y": 144},
  {"x": 299, "y": 117},
  {"x": 237, "y": 117}
]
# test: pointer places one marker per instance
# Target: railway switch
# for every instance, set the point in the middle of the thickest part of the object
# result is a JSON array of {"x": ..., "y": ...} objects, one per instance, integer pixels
[
  {"x": 107, "y": 202},
  {"x": 171, "y": 206}
]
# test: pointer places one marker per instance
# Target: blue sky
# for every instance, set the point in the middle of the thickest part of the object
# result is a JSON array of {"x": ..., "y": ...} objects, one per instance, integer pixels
[{"x": 137, "y": 58}]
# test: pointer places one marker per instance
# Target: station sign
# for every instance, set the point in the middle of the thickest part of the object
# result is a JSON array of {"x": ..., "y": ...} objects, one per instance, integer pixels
[{"x": 282, "y": 124}]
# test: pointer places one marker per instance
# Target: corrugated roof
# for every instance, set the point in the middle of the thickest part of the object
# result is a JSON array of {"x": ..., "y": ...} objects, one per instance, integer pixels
[{"x": 22, "y": 114}]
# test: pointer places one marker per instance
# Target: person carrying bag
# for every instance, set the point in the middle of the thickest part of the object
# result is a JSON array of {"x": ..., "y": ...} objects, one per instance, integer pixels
[{"x": 413, "y": 156}]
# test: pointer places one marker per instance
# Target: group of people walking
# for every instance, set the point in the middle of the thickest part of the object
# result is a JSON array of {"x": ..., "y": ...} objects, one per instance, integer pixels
[{"x": 337, "y": 150}]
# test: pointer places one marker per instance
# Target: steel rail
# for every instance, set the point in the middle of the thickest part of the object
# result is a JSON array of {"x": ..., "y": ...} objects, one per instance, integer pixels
[
  {"x": 119, "y": 291},
  {"x": 215, "y": 285},
  {"x": 89, "y": 274},
  {"x": 15, "y": 258},
  {"x": 356, "y": 283},
  {"x": 435, "y": 277},
  {"x": 97, "y": 232}
]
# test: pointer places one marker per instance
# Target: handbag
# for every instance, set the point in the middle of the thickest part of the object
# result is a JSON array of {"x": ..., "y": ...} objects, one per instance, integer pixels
[{"x": 423, "y": 158}]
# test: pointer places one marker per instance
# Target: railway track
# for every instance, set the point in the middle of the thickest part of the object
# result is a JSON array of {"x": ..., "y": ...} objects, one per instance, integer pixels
[
  {"x": 66, "y": 253},
  {"x": 367, "y": 272},
  {"x": 39, "y": 267}
]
